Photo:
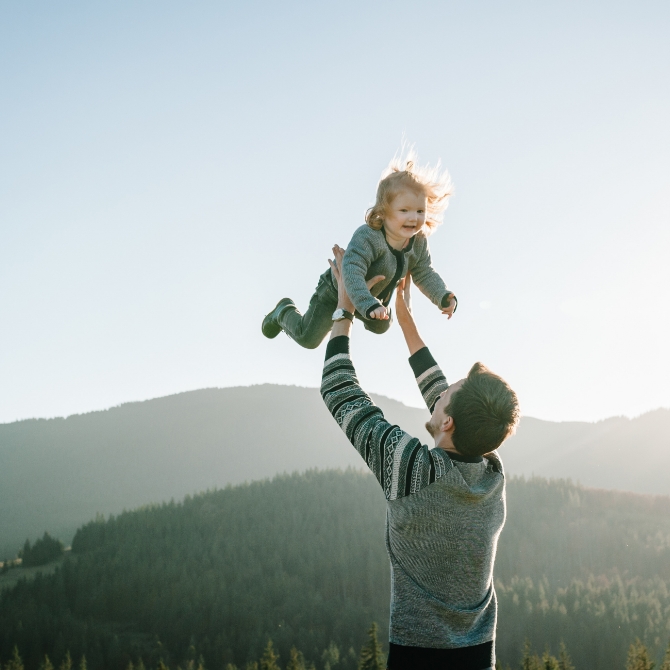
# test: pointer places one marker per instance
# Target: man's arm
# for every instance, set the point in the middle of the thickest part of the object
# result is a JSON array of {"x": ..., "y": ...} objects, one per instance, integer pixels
[
  {"x": 401, "y": 464},
  {"x": 430, "y": 378}
]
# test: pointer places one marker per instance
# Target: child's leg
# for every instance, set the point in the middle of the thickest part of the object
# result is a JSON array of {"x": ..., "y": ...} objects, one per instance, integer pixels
[
  {"x": 377, "y": 326},
  {"x": 309, "y": 330}
]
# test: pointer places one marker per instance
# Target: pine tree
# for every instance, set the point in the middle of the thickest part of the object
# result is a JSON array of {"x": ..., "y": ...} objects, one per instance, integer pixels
[
  {"x": 296, "y": 660},
  {"x": 564, "y": 660},
  {"x": 66, "y": 663},
  {"x": 82, "y": 663},
  {"x": 230, "y": 666},
  {"x": 666, "y": 659},
  {"x": 371, "y": 653},
  {"x": 638, "y": 657},
  {"x": 269, "y": 660},
  {"x": 46, "y": 664},
  {"x": 530, "y": 661},
  {"x": 330, "y": 656},
  {"x": 15, "y": 663},
  {"x": 549, "y": 662}
]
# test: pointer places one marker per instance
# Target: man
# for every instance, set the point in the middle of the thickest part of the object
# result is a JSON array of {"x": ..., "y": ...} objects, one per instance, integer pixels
[{"x": 445, "y": 506}]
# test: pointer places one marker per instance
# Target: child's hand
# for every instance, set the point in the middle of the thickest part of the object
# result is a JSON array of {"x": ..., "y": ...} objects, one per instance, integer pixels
[
  {"x": 451, "y": 307},
  {"x": 379, "y": 313}
]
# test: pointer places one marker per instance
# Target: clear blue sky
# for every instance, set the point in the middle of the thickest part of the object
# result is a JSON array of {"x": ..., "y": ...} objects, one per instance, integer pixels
[{"x": 170, "y": 170}]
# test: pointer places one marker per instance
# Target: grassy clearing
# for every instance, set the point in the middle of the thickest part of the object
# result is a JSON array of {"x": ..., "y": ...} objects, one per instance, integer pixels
[{"x": 14, "y": 575}]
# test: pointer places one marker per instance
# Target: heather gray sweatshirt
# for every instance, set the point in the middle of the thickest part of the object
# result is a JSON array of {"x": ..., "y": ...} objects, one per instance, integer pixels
[
  {"x": 369, "y": 254},
  {"x": 444, "y": 512}
]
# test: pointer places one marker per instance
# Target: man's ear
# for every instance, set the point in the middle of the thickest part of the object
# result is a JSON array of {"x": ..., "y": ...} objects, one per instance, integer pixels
[{"x": 448, "y": 424}]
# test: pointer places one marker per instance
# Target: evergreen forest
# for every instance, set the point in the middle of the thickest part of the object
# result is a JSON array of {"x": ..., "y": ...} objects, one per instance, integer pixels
[{"x": 297, "y": 565}]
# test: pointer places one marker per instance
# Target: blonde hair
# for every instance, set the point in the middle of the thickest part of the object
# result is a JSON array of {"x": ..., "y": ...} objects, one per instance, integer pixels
[{"x": 404, "y": 174}]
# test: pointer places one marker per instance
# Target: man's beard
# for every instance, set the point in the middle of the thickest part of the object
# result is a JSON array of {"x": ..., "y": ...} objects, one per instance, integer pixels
[{"x": 430, "y": 429}]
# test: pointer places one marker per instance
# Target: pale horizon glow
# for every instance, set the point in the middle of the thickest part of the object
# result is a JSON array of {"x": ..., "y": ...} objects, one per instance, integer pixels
[{"x": 169, "y": 172}]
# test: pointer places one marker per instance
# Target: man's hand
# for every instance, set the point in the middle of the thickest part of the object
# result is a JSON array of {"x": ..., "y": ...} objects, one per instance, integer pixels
[
  {"x": 403, "y": 313},
  {"x": 343, "y": 327}
]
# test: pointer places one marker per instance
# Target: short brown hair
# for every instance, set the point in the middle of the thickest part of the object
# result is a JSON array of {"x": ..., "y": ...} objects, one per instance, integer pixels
[
  {"x": 485, "y": 411},
  {"x": 403, "y": 174}
]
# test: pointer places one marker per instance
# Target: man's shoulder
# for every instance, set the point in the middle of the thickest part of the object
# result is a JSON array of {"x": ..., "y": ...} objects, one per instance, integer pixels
[{"x": 495, "y": 461}]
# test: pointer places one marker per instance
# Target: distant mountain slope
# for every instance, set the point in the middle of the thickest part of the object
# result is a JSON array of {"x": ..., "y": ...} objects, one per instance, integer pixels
[
  {"x": 56, "y": 474},
  {"x": 617, "y": 453}
]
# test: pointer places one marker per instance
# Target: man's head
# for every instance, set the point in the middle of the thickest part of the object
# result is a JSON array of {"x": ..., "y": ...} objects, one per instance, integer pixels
[{"x": 476, "y": 414}]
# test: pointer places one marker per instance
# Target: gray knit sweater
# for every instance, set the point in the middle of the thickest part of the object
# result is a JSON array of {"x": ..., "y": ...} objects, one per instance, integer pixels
[
  {"x": 369, "y": 254},
  {"x": 444, "y": 513}
]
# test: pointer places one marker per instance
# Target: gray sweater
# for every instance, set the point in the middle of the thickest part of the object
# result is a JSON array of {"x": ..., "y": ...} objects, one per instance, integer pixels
[
  {"x": 369, "y": 254},
  {"x": 444, "y": 513}
]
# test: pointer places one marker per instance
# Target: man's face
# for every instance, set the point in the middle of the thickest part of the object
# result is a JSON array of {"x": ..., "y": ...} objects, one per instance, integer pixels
[{"x": 438, "y": 416}]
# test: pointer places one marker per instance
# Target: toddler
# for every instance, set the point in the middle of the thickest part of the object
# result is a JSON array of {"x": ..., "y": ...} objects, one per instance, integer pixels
[{"x": 392, "y": 243}]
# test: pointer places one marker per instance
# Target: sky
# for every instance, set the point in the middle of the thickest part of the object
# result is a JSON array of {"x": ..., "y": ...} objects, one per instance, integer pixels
[{"x": 169, "y": 171}]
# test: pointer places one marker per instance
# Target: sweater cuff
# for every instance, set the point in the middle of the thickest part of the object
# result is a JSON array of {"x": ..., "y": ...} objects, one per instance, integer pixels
[
  {"x": 338, "y": 345},
  {"x": 372, "y": 309},
  {"x": 421, "y": 361},
  {"x": 446, "y": 298}
]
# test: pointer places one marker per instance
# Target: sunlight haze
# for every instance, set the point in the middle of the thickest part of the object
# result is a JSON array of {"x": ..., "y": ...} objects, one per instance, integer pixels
[{"x": 169, "y": 171}]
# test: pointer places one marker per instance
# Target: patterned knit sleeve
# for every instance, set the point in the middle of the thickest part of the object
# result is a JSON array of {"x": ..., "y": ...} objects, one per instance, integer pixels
[
  {"x": 431, "y": 380},
  {"x": 401, "y": 464}
]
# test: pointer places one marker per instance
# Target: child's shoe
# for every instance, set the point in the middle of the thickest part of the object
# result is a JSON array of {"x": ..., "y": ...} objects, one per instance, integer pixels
[{"x": 270, "y": 326}]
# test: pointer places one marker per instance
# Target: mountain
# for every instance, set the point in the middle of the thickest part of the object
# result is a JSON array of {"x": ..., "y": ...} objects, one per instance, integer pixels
[
  {"x": 58, "y": 473},
  {"x": 617, "y": 453}
]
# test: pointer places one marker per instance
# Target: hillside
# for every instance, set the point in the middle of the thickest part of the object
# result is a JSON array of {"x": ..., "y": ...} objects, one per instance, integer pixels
[
  {"x": 56, "y": 474},
  {"x": 301, "y": 559}
]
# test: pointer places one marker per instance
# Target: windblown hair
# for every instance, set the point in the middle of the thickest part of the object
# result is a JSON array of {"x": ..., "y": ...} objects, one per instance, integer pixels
[
  {"x": 485, "y": 411},
  {"x": 403, "y": 174}
]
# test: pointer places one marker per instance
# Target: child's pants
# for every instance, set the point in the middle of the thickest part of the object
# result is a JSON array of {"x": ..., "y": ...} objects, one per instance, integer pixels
[{"x": 308, "y": 330}]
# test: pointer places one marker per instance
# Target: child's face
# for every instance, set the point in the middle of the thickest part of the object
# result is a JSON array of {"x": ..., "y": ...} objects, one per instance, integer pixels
[{"x": 406, "y": 215}]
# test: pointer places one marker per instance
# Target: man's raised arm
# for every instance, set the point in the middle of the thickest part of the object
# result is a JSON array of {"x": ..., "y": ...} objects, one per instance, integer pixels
[
  {"x": 431, "y": 380},
  {"x": 401, "y": 464}
]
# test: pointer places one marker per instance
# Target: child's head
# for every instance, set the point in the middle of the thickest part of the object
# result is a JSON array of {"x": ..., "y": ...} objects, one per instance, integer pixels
[{"x": 404, "y": 175}]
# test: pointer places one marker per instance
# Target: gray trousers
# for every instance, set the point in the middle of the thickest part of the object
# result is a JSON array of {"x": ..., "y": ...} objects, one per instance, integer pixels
[{"x": 309, "y": 329}]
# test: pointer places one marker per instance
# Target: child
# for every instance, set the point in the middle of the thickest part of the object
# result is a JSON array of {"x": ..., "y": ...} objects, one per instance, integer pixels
[{"x": 392, "y": 244}]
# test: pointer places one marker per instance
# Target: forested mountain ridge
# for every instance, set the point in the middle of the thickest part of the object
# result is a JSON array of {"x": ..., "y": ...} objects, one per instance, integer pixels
[
  {"x": 301, "y": 560},
  {"x": 56, "y": 474}
]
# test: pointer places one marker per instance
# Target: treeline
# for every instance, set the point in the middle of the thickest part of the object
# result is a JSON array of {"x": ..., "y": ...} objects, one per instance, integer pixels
[
  {"x": 371, "y": 658},
  {"x": 44, "y": 550},
  {"x": 301, "y": 560}
]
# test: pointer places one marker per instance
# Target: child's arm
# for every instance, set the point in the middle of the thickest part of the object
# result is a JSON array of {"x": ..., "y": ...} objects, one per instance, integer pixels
[
  {"x": 358, "y": 258},
  {"x": 429, "y": 281}
]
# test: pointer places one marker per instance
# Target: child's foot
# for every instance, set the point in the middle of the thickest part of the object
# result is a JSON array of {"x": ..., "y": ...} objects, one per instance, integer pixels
[{"x": 270, "y": 326}]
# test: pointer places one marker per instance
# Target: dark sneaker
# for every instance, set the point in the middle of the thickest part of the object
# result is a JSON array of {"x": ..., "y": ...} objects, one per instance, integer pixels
[{"x": 270, "y": 326}]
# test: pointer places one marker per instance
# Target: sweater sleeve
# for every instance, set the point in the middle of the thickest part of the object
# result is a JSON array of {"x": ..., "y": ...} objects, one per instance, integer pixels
[
  {"x": 358, "y": 258},
  {"x": 401, "y": 464},
  {"x": 427, "y": 279},
  {"x": 431, "y": 380}
]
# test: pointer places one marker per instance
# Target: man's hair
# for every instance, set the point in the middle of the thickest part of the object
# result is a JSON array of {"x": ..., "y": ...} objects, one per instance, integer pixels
[
  {"x": 485, "y": 411},
  {"x": 403, "y": 174}
]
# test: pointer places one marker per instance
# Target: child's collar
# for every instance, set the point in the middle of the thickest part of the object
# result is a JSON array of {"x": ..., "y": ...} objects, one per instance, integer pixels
[{"x": 405, "y": 249}]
